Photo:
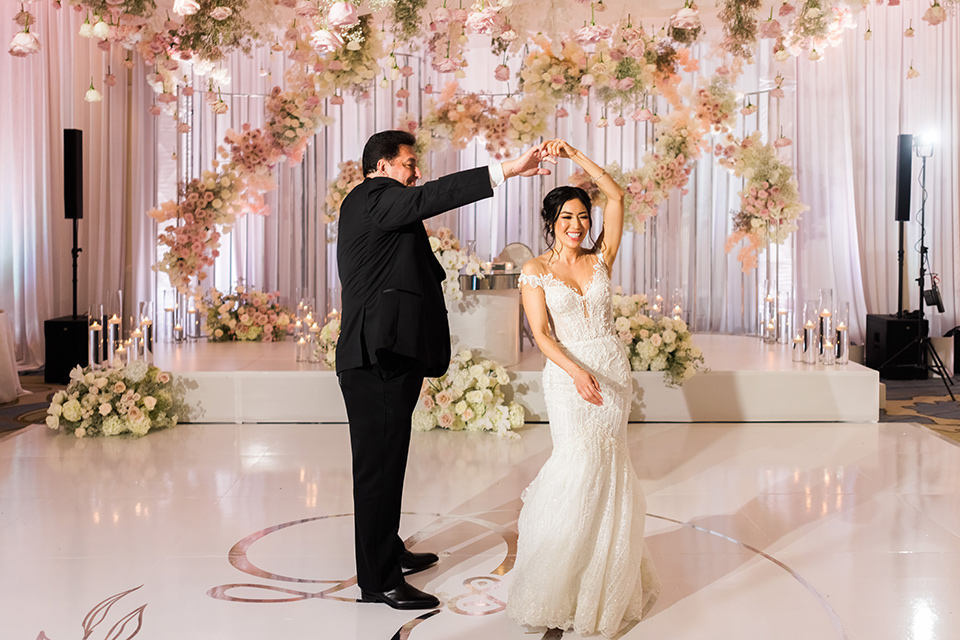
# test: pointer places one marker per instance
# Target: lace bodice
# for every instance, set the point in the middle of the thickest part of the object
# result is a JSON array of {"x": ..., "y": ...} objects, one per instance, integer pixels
[{"x": 577, "y": 317}]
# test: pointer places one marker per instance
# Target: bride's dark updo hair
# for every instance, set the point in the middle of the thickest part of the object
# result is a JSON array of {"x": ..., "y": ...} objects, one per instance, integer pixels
[{"x": 553, "y": 203}]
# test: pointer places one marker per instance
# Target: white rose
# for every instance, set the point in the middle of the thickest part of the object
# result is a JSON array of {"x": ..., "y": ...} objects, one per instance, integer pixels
[
  {"x": 105, "y": 409},
  {"x": 186, "y": 7},
  {"x": 149, "y": 403},
  {"x": 221, "y": 13},
  {"x": 101, "y": 30},
  {"x": 72, "y": 410},
  {"x": 53, "y": 422}
]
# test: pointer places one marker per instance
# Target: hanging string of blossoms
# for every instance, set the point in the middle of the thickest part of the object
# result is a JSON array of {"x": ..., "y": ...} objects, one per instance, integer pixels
[{"x": 769, "y": 200}]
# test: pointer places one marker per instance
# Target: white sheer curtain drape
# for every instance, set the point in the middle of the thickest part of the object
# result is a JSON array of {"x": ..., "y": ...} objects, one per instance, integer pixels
[{"x": 44, "y": 95}]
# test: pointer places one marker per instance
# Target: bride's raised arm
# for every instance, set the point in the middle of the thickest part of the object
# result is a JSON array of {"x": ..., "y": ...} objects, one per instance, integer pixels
[{"x": 613, "y": 211}]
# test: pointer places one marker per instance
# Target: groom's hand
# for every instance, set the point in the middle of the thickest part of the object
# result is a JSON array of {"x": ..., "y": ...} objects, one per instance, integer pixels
[{"x": 528, "y": 164}]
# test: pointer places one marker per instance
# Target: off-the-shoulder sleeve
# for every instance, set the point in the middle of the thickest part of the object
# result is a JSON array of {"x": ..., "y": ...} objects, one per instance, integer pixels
[{"x": 531, "y": 280}]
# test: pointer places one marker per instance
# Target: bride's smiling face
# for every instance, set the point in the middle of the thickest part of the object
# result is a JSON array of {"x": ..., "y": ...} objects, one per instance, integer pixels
[{"x": 573, "y": 224}]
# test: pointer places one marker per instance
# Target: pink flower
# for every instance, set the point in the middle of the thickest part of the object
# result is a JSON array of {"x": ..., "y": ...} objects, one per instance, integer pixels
[
  {"x": 593, "y": 33},
  {"x": 562, "y": 113},
  {"x": 446, "y": 419},
  {"x": 336, "y": 100},
  {"x": 23, "y": 44},
  {"x": 620, "y": 121},
  {"x": 786, "y": 9},
  {"x": 406, "y": 71},
  {"x": 442, "y": 16},
  {"x": 446, "y": 65},
  {"x": 626, "y": 84},
  {"x": 935, "y": 14},
  {"x": 642, "y": 115},
  {"x": 485, "y": 21},
  {"x": 221, "y": 13},
  {"x": 502, "y": 73},
  {"x": 325, "y": 41},
  {"x": 342, "y": 14},
  {"x": 307, "y": 9},
  {"x": 770, "y": 29},
  {"x": 777, "y": 93},
  {"x": 154, "y": 110},
  {"x": 686, "y": 18}
]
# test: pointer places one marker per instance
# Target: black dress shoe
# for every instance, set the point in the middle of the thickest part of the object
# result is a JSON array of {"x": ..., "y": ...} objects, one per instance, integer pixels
[
  {"x": 402, "y": 597},
  {"x": 411, "y": 562}
]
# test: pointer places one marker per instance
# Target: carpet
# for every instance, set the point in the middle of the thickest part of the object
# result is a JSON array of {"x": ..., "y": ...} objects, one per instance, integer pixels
[{"x": 924, "y": 402}]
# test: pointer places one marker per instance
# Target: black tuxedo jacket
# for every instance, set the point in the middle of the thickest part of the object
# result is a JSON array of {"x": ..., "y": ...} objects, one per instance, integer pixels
[{"x": 391, "y": 283}]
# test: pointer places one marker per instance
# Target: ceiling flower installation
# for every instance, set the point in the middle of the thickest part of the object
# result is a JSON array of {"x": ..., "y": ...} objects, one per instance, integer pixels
[{"x": 557, "y": 54}]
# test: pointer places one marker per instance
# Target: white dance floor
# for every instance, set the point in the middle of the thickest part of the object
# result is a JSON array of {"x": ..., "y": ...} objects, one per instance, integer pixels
[
  {"x": 747, "y": 381},
  {"x": 244, "y": 532}
]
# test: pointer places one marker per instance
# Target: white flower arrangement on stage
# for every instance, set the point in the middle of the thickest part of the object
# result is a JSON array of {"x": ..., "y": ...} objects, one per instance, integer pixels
[
  {"x": 253, "y": 316},
  {"x": 350, "y": 175},
  {"x": 469, "y": 396},
  {"x": 133, "y": 399},
  {"x": 446, "y": 248},
  {"x": 326, "y": 347},
  {"x": 655, "y": 343}
]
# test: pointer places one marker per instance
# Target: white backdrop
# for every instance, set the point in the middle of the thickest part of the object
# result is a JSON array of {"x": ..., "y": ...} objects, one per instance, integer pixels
[{"x": 843, "y": 113}]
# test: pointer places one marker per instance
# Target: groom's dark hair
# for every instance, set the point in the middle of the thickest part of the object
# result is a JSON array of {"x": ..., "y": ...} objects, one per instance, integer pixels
[{"x": 384, "y": 146}]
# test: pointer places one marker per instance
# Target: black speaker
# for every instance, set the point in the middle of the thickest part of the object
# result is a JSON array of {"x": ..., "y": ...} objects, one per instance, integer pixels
[
  {"x": 66, "y": 347},
  {"x": 904, "y": 175},
  {"x": 888, "y": 335},
  {"x": 73, "y": 174}
]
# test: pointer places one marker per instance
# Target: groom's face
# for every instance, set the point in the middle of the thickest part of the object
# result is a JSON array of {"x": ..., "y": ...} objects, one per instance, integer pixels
[{"x": 404, "y": 167}]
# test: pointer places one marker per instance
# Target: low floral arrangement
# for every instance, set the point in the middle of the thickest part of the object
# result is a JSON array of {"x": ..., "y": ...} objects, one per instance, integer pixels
[
  {"x": 326, "y": 346},
  {"x": 350, "y": 175},
  {"x": 655, "y": 343},
  {"x": 253, "y": 316},
  {"x": 446, "y": 248},
  {"x": 469, "y": 396},
  {"x": 134, "y": 399},
  {"x": 769, "y": 201}
]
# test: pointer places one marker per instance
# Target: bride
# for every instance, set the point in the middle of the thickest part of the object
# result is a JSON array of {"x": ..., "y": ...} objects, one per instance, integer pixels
[{"x": 581, "y": 559}]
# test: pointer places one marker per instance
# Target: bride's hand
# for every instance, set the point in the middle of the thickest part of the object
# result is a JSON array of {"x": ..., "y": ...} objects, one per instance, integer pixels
[
  {"x": 560, "y": 148},
  {"x": 587, "y": 387}
]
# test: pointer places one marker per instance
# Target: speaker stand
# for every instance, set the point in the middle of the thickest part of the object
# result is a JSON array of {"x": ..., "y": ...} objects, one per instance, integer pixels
[
  {"x": 925, "y": 346},
  {"x": 75, "y": 252}
]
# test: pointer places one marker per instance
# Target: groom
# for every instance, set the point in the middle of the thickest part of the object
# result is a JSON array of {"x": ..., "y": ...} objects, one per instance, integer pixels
[{"x": 394, "y": 332}]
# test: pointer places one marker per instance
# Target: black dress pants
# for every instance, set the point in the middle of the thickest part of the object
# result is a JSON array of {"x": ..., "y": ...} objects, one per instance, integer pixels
[{"x": 380, "y": 400}]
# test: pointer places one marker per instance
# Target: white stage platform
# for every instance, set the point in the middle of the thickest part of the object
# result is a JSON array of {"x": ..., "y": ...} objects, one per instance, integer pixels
[{"x": 747, "y": 381}]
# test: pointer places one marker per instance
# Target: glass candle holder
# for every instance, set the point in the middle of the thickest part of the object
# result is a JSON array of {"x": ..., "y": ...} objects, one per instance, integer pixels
[
  {"x": 95, "y": 337},
  {"x": 829, "y": 355},
  {"x": 147, "y": 328},
  {"x": 825, "y": 310},
  {"x": 797, "y": 350},
  {"x": 313, "y": 337},
  {"x": 171, "y": 305},
  {"x": 826, "y": 335},
  {"x": 783, "y": 317},
  {"x": 193, "y": 318},
  {"x": 843, "y": 333}
]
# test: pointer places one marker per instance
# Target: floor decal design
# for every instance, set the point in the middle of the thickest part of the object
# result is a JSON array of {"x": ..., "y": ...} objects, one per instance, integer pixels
[
  {"x": 127, "y": 627},
  {"x": 481, "y": 595}
]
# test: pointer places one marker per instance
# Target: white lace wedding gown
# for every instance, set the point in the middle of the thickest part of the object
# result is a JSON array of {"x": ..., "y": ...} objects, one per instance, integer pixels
[{"x": 581, "y": 560}]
